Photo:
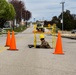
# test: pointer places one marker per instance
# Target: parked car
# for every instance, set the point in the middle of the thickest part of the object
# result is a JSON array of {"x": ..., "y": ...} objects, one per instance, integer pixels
[
  {"x": 0, "y": 29},
  {"x": 7, "y": 24},
  {"x": 73, "y": 31}
]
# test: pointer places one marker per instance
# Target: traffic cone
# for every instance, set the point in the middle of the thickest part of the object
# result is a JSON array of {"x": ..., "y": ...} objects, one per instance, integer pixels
[
  {"x": 58, "y": 49},
  {"x": 13, "y": 43},
  {"x": 8, "y": 39}
]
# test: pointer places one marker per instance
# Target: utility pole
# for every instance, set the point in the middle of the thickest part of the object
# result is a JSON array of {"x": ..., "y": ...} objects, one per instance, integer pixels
[{"x": 62, "y": 14}]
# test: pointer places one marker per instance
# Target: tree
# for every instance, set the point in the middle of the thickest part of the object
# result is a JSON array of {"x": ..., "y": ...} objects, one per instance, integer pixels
[
  {"x": 68, "y": 20},
  {"x": 21, "y": 12},
  {"x": 27, "y": 15},
  {"x": 55, "y": 19},
  {"x": 7, "y": 12}
]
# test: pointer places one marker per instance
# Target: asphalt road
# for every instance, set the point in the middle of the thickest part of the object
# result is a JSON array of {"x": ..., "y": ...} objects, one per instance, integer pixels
[{"x": 32, "y": 61}]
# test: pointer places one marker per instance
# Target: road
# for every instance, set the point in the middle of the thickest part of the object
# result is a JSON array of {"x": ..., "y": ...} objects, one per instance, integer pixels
[{"x": 32, "y": 61}]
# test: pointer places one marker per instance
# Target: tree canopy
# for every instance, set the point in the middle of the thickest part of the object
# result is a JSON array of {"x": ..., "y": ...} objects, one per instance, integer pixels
[
  {"x": 69, "y": 21},
  {"x": 7, "y": 12},
  {"x": 21, "y": 12}
]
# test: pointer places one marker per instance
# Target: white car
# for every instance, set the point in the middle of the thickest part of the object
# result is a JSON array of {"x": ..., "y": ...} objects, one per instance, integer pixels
[{"x": 73, "y": 31}]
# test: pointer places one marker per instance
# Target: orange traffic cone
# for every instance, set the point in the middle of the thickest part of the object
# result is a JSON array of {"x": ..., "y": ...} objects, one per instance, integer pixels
[
  {"x": 13, "y": 43},
  {"x": 8, "y": 39},
  {"x": 58, "y": 49}
]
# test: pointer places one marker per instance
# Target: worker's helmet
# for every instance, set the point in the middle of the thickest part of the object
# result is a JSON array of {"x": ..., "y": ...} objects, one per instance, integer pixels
[{"x": 42, "y": 36}]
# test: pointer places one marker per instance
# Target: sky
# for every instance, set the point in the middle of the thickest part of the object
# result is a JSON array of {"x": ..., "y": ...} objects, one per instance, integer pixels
[{"x": 46, "y": 9}]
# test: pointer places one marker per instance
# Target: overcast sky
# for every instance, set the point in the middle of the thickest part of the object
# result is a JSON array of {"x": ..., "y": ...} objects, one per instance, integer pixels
[{"x": 46, "y": 9}]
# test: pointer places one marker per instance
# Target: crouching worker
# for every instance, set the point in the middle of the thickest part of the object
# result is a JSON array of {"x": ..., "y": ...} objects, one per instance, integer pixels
[{"x": 44, "y": 44}]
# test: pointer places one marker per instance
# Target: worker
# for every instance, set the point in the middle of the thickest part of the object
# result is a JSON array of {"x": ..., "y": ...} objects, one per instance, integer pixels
[{"x": 44, "y": 44}]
